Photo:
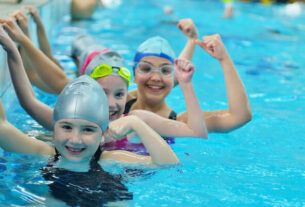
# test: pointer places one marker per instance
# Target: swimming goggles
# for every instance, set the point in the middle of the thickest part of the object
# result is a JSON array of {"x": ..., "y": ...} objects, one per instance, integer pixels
[
  {"x": 147, "y": 68},
  {"x": 105, "y": 70}
]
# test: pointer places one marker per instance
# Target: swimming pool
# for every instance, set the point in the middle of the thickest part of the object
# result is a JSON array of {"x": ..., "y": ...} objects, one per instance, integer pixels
[{"x": 260, "y": 164}]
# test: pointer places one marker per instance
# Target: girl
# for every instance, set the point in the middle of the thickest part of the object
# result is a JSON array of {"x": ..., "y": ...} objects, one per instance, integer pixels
[
  {"x": 80, "y": 120},
  {"x": 153, "y": 87},
  {"x": 115, "y": 84},
  {"x": 238, "y": 113}
]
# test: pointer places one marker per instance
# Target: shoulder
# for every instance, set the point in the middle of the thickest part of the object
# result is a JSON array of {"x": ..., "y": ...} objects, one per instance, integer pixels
[{"x": 132, "y": 95}]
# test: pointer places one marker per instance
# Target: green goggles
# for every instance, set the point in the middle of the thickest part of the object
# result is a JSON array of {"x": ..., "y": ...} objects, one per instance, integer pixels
[{"x": 105, "y": 70}]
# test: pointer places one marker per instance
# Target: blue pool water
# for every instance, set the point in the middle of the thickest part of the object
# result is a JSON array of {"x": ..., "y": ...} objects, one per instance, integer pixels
[{"x": 260, "y": 164}]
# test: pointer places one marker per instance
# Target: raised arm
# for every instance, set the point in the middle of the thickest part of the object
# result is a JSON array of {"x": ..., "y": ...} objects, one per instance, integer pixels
[
  {"x": 42, "y": 35},
  {"x": 39, "y": 111},
  {"x": 184, "y": 71},
  {"x": 188, "y": 28},
  {"x": 22, "y": 20},
  {"x": 48, "y": 71},
  {"x": 239, "y": 112},
  {"x": 12, "y": 139},
  {"x": 160, "y": 152}
]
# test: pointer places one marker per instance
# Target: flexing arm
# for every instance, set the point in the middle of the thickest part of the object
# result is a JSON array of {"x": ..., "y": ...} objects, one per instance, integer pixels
[
  {"x": 160, "y": 152},
  {"x": 188, "y": 28},
  {"x": 239, "y": 111},
  {"x": 184, "y": 70},
  {"x": 39, "y": 111},
  {"x": 49, "y": 72}
]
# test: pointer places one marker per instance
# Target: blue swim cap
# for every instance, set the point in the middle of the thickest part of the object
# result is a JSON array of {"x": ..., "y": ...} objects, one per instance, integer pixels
[
  {"x": 155, "y": 46},
  {"x": 83, "y": 98}
]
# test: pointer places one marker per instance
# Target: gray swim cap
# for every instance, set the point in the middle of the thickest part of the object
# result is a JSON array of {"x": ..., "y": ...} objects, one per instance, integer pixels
[
  {"x": 83, "y": 98},
  {"x": 84, "y": 44},
  {"x": 108, "y": 57}
]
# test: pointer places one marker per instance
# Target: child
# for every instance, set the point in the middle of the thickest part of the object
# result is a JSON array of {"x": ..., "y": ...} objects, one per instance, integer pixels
[
  {"x": 78, "y": 132},
  {"x": 115, "y": 85}
]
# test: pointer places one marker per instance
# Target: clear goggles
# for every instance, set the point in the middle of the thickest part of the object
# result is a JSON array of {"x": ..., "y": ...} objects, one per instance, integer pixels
[{"x": 146, "y": 69}]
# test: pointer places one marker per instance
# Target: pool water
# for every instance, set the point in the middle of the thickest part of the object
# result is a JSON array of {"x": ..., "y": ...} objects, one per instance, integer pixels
[{"x": 259, "y": 164}]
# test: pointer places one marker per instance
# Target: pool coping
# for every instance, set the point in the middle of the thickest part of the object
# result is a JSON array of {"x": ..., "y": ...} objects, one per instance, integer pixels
[{"x": 52, "y": 13}]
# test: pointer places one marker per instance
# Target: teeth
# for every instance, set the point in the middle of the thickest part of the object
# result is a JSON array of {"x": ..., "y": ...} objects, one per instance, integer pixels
[
  {"x": 155, "y": 87},
  {"x": 111, "y": 113},
  {"x": 75, "y": 149}
]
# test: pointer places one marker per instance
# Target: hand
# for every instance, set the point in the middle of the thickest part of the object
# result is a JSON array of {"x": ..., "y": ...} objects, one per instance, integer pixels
[
  {"x": 6, "y": 41},
  {"x": 188, "y": 28},
  {"x": 214, "y": 46},
  {"x": 12, "y": 29},
  {"x": 119, "y": 128},
  {"x": 34, "y": 13},
  {"x": 184, "y": 70},
  {"x": 22, "y": 21}
]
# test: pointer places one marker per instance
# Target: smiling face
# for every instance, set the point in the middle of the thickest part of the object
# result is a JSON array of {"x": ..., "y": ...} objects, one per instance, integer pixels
[
  {"x": 77, "y": 139},
  {"x": 115, "y": 88},
  {"x": 153, "y": 88}
]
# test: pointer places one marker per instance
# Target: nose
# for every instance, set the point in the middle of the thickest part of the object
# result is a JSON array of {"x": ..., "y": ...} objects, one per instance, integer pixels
[
  {"x": 155, "y": 75},
  {"x": 76, "y": 137},
  {"x": 111, "y": 101}
]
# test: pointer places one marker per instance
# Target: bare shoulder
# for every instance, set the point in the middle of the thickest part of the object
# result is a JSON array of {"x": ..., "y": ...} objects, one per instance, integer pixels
[{"x": 132, "y": 94}]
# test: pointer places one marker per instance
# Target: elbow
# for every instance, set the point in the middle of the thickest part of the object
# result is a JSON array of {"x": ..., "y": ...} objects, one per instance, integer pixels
[
  {"x": 247, "y": 116},
  {"x": 204, "y": 135}
]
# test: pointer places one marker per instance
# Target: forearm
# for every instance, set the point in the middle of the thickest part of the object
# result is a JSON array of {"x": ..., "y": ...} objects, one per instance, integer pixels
[
  {"x": 238, "y": 101},
  {"x": 195, "y": 116},
  {"x": 48, "y": 71},
  {"x": 164, "y": 126},
  {"x": 188, "y": 49},
  {"x": 159, "y": 150},
  {"x": 25, "y": 92},
  {"x": 43, "y": 41}
]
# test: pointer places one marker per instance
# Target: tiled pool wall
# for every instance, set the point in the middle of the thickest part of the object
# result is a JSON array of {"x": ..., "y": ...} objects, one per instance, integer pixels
[{"x": 52, "y": 13}]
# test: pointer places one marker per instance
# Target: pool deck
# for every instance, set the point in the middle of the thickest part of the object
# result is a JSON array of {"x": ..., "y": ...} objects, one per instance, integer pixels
[
  {"x": 8, "y": 8},
  {"x": 51, "y": 12}
]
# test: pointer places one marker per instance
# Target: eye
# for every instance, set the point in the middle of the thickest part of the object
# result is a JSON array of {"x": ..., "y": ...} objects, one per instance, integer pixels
[
  {"x": 166, "y": 69},
  {"x": 66, "y": 127},
  {"x": 144, "y": 68},
  {"x": 88, "y": 130},
  {"x": 119, "y": 94}
]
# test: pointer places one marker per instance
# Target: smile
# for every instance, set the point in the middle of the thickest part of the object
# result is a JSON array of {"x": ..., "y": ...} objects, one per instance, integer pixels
[{"x": 75, "y": 150}]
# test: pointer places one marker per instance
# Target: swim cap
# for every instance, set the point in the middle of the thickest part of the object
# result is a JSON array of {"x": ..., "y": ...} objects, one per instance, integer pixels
[
  {"x": 83, "y": 45},
  {"x": 83, "y": 98},
  {"x": 155, "y": 46},
  {"x": 108, "y": 57}
]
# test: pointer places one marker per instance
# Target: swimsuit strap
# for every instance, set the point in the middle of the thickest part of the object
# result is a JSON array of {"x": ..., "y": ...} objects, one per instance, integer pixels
[
  {"x": 172, "y": 115},
  {"x": 128, "y": 105}
]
